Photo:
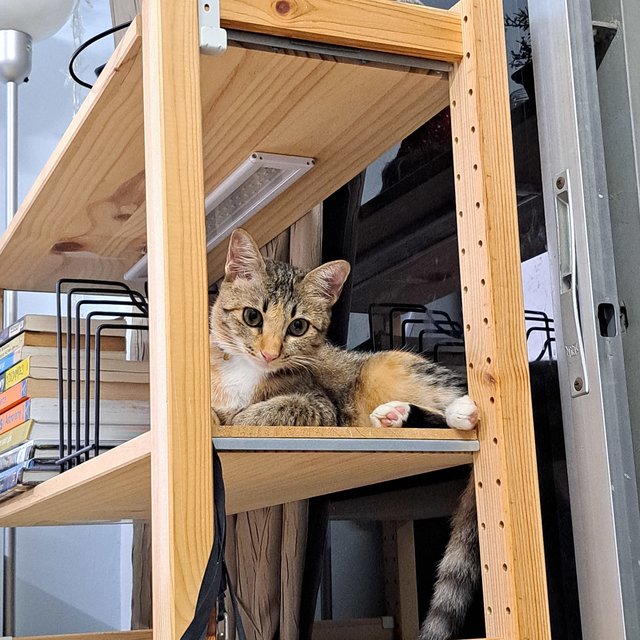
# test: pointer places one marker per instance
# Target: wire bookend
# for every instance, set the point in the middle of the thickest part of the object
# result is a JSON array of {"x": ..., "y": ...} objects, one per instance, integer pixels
[{"x": 79, "y": 430}]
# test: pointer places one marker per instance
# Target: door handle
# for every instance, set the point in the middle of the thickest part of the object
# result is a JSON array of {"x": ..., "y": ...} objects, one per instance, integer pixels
[{"x": 568, "y": 278}]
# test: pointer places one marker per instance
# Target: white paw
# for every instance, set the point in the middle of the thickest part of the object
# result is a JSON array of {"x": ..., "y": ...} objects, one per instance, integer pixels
[
  {"x": 462, "y": 413},
  {"x": 390, "y": 414}
]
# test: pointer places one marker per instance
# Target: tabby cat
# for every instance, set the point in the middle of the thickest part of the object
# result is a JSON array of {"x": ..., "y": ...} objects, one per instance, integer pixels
[{"x": 271, "y": 365}]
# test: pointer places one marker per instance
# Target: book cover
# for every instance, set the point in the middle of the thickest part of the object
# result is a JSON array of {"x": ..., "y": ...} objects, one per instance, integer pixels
[
  {"x": 33, "y": 430},
  {"x": 15, "y": 436},
  {"x": 123, "y": 412},
  {"x": 13, "y": 330},
  {"x": 16, "y": 415},
  {"x": 48, "y": 357},
  {"x": 46, "y": 324},
  {"x": 15, "y": 374},
  {"x": 23, "y": 476},
  {"x": 40, "y": 451},
  {"x": 33, "y": 388},
  {"x": 12, "y": 345},
  {"x": 13, "y": 396},
  {"x": 9, "y": 360}
]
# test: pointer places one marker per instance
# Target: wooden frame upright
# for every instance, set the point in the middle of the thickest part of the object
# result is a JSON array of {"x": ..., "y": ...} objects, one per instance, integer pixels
[
  {"x": 510, "y": 530},
  {"x": 181, "y": 467}
]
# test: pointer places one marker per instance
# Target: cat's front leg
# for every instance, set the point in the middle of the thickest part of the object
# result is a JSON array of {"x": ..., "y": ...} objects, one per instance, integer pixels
[{"x": 294, "y": 409}]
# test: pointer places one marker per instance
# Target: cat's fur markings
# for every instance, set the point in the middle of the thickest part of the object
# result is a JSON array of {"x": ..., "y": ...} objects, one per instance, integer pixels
[{"x": 271, "y": 365}]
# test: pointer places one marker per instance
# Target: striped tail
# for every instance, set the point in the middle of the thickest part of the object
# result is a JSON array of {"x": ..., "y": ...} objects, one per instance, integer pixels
[{"x": 458, "y": 573}]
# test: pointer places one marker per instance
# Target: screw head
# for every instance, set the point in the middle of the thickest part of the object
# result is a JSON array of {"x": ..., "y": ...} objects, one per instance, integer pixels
[
  {"x": 560, "y": 182},
  {"x": 578, "y": 384}
]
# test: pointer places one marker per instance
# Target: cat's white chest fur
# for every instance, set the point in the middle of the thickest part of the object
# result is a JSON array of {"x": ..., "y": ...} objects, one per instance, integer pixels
[{"x": 239, "y": 377}]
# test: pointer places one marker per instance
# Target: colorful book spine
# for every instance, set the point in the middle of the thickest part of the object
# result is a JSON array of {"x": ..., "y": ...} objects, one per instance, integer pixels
[
  {"x": 22, "y": 476},
  {"x": 13, "y": 396},
  {"x": 16, "y": 455},
  {"x": 13, "y": 345},
  {"x": 15, "y": 436},
  {"x": 12, "y": 330},
  {"x": 9, "y": 360},
  {"x": 15, "y": 374},
  {"x": 16, "y": 415}
]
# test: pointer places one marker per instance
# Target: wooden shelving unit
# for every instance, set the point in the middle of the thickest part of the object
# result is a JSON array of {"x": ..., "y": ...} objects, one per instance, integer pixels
[
  {"x": 161, "y": 128},
  {"x": 262, "y": 466}
]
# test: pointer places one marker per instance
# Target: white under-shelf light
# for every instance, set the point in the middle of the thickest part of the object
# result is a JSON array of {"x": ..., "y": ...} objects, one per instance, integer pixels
[{"x": 244, "y": 192}]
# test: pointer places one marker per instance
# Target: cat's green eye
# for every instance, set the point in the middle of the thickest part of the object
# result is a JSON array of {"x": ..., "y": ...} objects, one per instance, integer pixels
[
  {"x": 298, "y": 327},
  {"x": 252, "y": 317}
]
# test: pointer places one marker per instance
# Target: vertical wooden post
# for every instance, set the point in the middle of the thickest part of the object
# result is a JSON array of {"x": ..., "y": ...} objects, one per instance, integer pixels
[
  {"x": 181, "y": 475},
  {"x": 400, "y": 582},
  {"x": 510, "y": 531}
]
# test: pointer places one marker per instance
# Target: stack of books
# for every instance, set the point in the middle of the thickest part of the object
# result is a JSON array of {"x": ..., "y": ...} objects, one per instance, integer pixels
[{"x": 30, "y": 408}]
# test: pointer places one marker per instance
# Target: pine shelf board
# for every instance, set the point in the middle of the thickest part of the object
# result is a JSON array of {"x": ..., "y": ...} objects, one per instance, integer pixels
[
  {"x": 85, "y": 215},
  {"x": 116, "y": 485},
  {"x": 424, "y": 32}
]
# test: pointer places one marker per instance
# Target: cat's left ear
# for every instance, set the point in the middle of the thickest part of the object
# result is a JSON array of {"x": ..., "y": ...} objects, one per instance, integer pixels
[{"x": 328, "y": 279}]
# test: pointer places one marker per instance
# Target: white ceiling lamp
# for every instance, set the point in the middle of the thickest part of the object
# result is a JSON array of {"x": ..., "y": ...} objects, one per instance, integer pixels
[{"x": 244, "y": 192}]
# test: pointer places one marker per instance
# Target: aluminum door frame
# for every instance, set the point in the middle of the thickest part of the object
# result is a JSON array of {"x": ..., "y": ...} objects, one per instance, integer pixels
[{"x": 602, "y": 475}]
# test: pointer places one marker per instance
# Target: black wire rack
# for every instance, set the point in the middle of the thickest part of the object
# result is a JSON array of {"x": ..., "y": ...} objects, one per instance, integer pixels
[
  {"x": 391, "y": 324},
  {"x": 80, "y": 430},
  {"x": 390, "y": 327}
]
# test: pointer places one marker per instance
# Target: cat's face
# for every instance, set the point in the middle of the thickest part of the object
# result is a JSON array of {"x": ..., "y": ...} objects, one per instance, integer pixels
[{"x": 271, "y": 312}]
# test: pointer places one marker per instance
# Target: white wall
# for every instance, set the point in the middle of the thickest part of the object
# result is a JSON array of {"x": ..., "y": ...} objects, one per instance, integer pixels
[{"x": 69, "y": 579}]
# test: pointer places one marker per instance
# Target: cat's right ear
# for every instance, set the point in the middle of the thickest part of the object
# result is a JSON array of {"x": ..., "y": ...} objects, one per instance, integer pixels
[{"x": 243, "y": 257}]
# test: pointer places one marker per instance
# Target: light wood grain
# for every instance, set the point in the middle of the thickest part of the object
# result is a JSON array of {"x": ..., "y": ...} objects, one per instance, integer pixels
[
  {"x": 358, "y": 629},
  {"x": 181, "y": 468},
  {"x": 343, "y": 114},
  {"x": 76, "y": 218},
  {"x": 380, "y": 25},
  {"x": 514, "y": 582},
  {"x": 242, "y": 431},
  {"x": 400, "y": 582},
  {"x": 256, "y": 478},
  {"x": 116, "y": 485}
]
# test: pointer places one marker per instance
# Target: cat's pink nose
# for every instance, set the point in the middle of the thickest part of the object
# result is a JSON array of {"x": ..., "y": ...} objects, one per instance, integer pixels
[{"x": 269, "y": 357}]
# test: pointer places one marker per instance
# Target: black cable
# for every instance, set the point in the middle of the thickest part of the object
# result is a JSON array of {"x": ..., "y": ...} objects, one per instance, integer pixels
[{"x": 88, "y": 43}]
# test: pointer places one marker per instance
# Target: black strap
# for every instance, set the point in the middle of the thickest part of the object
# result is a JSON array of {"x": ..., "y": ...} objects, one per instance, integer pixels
[{"x": 216, "y": 576}]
